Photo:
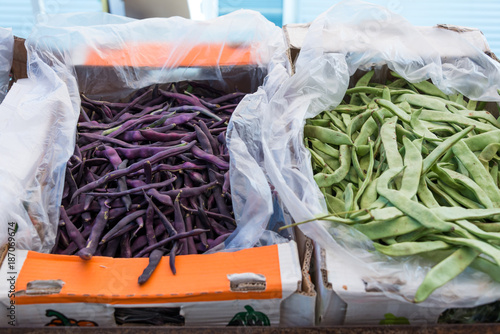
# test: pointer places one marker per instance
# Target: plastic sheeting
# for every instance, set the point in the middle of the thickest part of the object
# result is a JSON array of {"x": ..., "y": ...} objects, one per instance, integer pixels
[
  {"x": 356, "y": 35},
  {"x": 110, "y": 57},
  {"x": 6, "y": 54}
]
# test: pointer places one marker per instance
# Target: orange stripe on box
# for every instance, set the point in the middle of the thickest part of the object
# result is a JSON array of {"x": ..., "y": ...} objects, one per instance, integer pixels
[
  {"x": 200, "y": 278},
  {"x": 172, "y": 55}
]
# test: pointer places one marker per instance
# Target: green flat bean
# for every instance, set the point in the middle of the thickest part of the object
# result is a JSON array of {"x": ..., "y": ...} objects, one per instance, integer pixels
[
  {"x": 413, "y": 209},
  {"x": 377, "y": 91},
  {"x": 356, "y": 164},
  {"x": 323, "y": 147},
  {"x": 349, "y": 108},
  {"x": 401, "y": 114},
  {"x": 439, "y": 128},
  {"x": 432, "y": 116},
  {"x": 472, "y": 186},
  {"x": 369, "y": 127},
  {"x": 365, "y": 79},
  {"x": 388, "y": 228},
  {"x": 349, "y": 199},
  {"x": 480, "y": 141},
  {"x": 494, "y": 172},
  {"x": 481, "y": 114},
  {"x": 477, "y": 172},
  {"x": 367, "y": 179},
  {"x": 445, "y": 271},
  {"x": 411, "y": 174},
  {"x": 488, "y": 227},
  {"x": 471, "y": 105},
  {"x": 332, "y": 162},
  {"x": 458, "y": 197},
  {"x": 477, "y": 245},
  {"x": 388, "y": 134},
  {"x": 334, "y": 204},
  {"x": 422, "y": 101},
  {"x": 369, "y": 196},
  {"x": 326, "y": 180},
  {"x": 420, "y": 128},
  {"x": 320, "y": 162},
  {"x": 477, "y": 231},
  {"x": 428, "y": 88},
  {"x": 415, "y": 235},
  {"x": 425, "y": 195},
  {"x": 458, "y": 213},
  {"x": 442, "y": 148},
  {"x": 441, "y": 194},
  {"x": 326, "y": 135},
  {"x": 411, "y": 248},
  {"x": 387, "y": 213},
  {"x": 318, "y": 122},
  {"x": 487, "y": 267},
  {"x": 489, "y": 152}
]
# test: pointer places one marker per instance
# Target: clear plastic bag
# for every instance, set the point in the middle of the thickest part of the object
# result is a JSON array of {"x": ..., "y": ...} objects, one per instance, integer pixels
[
  {"x": 356, "y": 35},
  {"x": 6, "y": 54},
  {"x": 109, "y": 57}
]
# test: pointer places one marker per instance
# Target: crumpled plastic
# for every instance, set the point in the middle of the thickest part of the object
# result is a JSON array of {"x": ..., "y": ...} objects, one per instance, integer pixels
[
  {"x": 349, "y": 36},
  {"x": 109, "y": 57},
  {"x": 6, "y": 54}
]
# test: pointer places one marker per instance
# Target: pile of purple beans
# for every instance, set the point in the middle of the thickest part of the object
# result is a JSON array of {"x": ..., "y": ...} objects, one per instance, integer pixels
[{"x": 149, "y": 177}]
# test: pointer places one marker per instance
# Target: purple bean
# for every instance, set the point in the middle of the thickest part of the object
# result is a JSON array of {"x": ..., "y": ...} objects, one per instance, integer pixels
[
  {"x": 227, "y": 97},
  {"x": 138, "y": 244},
  {"x": 195, "y": 176},
  {"x": 125, "y": 250},
  {"x": 134, "y": 190},
  {"x": 197, "y": 152},
  {"x": 111, "y": 247},
  {"x": 150, "y": 232},
  {"x": 148, "y": 172},
  {"x": 179, "y": 224},
  {"x": 188, "y": 192},
  {"x": 165, "y": 128},
  {"x": 180, "y": 119},
  {"x": 97, "y": 229},
  {"x": 122, "y": 186},
  {"x": 72, "y": 231},
  {"x": 130, "y": 105},
  {"x": 163, "y": 199},
  {"x": 162, "y": 137},
  {"x": 123, "y": 222},
  {"x": 133, "y": 136},
  {"x": 110, "y": 153},
  {"x": 134, "y": 167},
  {"x": 171, "y": 260},
  {"x": 225, "y": 185},
  {"x": 154, "y": 260},
  {"x": 220, "y": 239},
  {"x": 210, "y": 137},
  {"x": 190, "y": 241},
  {"x": 140, "y": 152},
  {"x": 165, "y": 241}
]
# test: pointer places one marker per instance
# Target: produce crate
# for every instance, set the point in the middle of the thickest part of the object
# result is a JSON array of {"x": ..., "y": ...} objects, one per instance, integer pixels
[
  {"x": 270, "y": 283},
  {"x": 344, "y": 297}
]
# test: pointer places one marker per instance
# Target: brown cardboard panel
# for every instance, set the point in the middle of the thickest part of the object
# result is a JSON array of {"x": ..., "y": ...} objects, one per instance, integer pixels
[{"x": 19, "y": 62}]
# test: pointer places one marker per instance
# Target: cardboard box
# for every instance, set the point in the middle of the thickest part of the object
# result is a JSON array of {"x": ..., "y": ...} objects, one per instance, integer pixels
[
  {"x": 208, "y": 290},
  {"x": 343, "y": 297},
  {"x": 203, "y": 293}
]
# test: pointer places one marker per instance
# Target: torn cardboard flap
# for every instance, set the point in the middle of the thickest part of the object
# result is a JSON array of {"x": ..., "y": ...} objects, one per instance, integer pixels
[
  {"x": 295, "y": 35},
  {"x": 247, "y": 282}
]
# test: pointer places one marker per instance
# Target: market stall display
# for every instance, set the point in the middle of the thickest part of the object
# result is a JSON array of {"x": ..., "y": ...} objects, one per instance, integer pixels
[{"x": 338, "y": 48}]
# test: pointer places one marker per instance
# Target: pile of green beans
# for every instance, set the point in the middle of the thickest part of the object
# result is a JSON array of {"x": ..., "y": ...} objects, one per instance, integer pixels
[{"x": 414, "y": 170}]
